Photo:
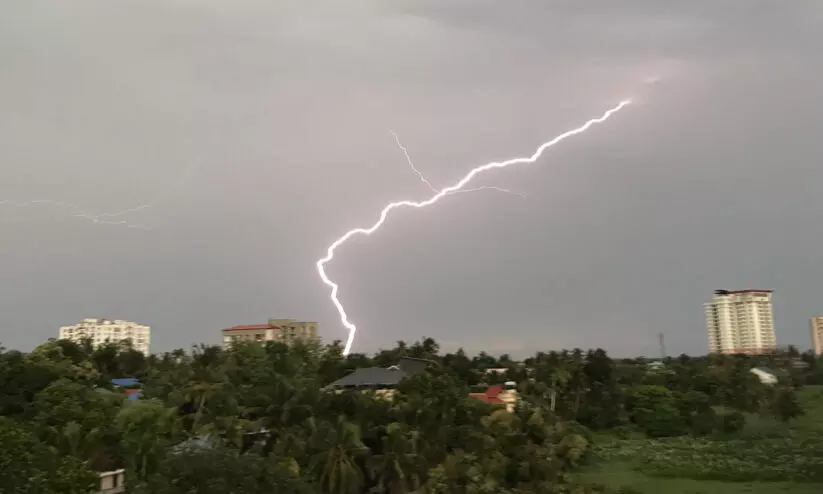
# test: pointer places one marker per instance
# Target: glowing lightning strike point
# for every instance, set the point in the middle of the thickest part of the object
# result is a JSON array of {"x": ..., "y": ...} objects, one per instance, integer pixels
[{"x": 439, "y": 195}]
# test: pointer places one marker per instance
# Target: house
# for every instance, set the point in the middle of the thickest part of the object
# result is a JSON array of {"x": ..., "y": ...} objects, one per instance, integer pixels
[
  {"x": 497, "y": 370},
  {"x": 765, "y": 375},
  {"x": 655, "y": 365},
  {"x": 798, "y": 363},
  {"x": 130, "y": 386},
  {"x": 382, "y": 379},
  {"x": 499, "y": 395}
]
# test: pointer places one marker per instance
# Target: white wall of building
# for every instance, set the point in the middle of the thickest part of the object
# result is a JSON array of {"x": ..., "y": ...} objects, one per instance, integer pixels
[{"x": 103, "y": 330}]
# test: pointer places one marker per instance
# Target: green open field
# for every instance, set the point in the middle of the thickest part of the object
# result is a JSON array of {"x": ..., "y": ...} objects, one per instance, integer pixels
[
  {"x": 767, "y": 457},
  {"x": 619, "y": 475}
]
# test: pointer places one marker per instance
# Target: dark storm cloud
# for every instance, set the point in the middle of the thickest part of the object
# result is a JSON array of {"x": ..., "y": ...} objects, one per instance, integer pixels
[{"x": 263, "y": 130}]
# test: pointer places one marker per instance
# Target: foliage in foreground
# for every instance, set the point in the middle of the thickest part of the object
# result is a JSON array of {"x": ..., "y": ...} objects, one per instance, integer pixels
[
  {"x": 27, "y": 466},
  {"x": 261, "y": 418}
]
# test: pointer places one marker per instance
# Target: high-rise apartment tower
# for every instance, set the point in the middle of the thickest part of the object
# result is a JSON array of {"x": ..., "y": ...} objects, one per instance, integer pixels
[
  {"x": 817, "y": 335},
  {"x": 741, "y": 321}
]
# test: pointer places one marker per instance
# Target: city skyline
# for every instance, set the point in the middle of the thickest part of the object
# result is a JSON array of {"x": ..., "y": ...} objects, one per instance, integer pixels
[
  {"x": 249, "y": 135},
  {"x": 731, "y": 317}
]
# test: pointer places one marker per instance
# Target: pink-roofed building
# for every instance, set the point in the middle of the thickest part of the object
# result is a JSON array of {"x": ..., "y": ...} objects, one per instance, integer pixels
[{"x": 281, "y": 330}]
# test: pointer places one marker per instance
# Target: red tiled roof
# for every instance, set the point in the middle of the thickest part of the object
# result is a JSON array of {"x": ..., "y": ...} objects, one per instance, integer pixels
[
  {"x": 492, "y": 395},
  {"x": 494, "y": 391},
  {"x": 488, "y": 399},
  {"x": 251, "y": 327}
]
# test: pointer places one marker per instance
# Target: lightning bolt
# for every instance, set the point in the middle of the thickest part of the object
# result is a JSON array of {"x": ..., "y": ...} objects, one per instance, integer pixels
[
  {"x": 431, "y": 187},
  {"x": 411, "y": 163},
  {"x": 74, "y": 211},
  {"x": 321, "y": 264}
]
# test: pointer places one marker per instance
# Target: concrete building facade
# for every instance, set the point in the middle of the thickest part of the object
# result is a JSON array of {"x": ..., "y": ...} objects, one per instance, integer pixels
[
  {"x": 741, "y": 321},
  {"x": 103, "y": 330},
  {"x": 283, "y": 330},
  {"x": 817, "y": 335}
]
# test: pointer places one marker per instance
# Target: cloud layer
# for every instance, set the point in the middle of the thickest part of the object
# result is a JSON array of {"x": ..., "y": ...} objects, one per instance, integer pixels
[{"x": 261, "y": 130}]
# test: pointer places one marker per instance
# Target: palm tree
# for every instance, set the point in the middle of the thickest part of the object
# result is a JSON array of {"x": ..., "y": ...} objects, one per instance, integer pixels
[
  {"x": 338, "y": 446},
  {"x": 395, "y": 468},
  {"x": 559, "y": 379},
  {"x": 146, "y": 429},
  {"x": 199, "y": 393}
]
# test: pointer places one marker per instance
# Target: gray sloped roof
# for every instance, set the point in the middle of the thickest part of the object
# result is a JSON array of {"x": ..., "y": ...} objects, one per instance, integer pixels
[
  {"x": 412, "y": 366},
  {"x": 371, "y": 376}
]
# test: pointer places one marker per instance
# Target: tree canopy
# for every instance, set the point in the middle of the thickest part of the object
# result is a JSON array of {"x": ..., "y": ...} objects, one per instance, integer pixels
[{"x": 262, "y": 418}]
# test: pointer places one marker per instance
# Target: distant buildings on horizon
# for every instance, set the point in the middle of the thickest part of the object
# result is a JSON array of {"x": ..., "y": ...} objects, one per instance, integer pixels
[
  {"x": 281, "y": 330},
  {"x": 737, "y": 322},
  {"x": 101, "y": 331},
  {"x": 742, "y": 321}
]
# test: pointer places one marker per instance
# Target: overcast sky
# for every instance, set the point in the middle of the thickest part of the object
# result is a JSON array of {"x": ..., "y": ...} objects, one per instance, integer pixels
[{"x": 259, "y": 132}]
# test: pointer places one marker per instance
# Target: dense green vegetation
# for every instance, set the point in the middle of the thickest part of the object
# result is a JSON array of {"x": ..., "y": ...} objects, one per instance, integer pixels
[
  {"x": 263, "y": 419},
  {"x": 770, "y": 454}
]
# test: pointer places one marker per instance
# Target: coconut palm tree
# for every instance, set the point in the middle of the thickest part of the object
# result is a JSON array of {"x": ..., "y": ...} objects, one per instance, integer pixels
[
  {"x": 338, "y": 447},
  {"x": 396, "y": 468}
]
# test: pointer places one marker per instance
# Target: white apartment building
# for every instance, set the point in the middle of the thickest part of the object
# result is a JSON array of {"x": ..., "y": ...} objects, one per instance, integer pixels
[
  {"x": 741, "y": 321},
  {"x": 102, "y": 330},
  {"x": 817, "y": 335}
]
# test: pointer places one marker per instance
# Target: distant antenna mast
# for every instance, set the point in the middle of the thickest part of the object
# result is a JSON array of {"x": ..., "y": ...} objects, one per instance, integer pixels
[{"x": 662, "y": 345}]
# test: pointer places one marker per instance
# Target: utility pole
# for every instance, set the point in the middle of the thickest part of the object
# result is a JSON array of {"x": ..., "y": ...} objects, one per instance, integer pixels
[{"x": 662, "y": 345}]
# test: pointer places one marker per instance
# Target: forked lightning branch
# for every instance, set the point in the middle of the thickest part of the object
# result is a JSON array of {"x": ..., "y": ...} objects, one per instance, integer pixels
[{"x": 457, "y": 187}]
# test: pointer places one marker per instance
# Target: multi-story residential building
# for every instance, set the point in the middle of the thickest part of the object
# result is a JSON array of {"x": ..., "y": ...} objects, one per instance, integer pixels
[
  {"x": 817, "y": 335},
  {"x": 103, "y": 330},
  {"x": 282, "y": 330},
  {"x": 741, "y": 321}
]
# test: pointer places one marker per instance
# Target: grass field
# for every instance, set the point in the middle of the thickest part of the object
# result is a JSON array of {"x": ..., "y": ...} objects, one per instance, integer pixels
[
  {"x": 624, "y": 475},
  {"x": 767, "y": 457}
]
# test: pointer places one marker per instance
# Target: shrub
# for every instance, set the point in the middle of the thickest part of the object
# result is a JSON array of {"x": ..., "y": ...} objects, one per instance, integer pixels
[{"x": 733, "y": 422}]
